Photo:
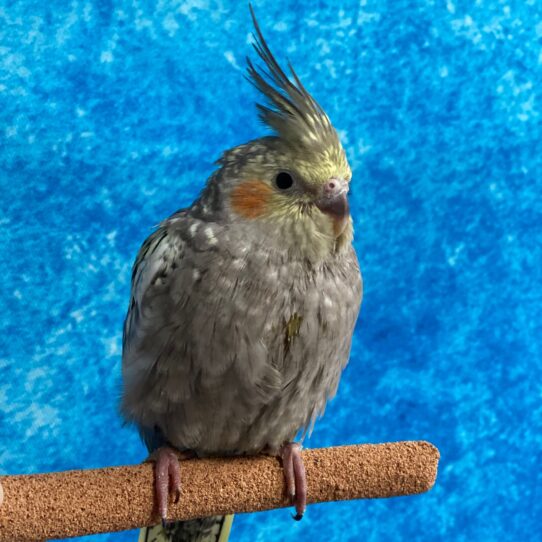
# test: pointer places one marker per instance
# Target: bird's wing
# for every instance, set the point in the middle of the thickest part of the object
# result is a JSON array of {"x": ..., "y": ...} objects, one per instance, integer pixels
[
  {"x": 155, "y": 261},
  {"x": 187, "y": 334},
  {"x": 147, "y": 328}
]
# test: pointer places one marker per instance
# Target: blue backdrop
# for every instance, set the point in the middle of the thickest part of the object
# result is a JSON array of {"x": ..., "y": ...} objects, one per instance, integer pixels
[{"x": 111, "y": 115}]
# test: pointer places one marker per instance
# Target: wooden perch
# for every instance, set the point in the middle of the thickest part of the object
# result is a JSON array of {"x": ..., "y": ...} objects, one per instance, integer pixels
[{"x": 75, "y": 503}]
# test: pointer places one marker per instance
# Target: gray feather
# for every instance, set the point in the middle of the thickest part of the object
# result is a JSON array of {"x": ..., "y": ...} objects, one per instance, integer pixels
[{"x": 205, "y": 358}]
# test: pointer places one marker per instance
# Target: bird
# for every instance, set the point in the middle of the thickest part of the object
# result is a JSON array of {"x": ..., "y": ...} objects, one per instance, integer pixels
[{"x": 243, "y": 305}]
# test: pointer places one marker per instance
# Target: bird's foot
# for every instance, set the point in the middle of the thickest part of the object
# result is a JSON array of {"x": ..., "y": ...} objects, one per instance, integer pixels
[
  {"x": 167, "y": 477},
  {"x": 295, "y": 477}
]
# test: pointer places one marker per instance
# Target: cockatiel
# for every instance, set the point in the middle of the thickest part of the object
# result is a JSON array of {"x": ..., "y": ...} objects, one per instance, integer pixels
[{"x": 243, "y": 305}]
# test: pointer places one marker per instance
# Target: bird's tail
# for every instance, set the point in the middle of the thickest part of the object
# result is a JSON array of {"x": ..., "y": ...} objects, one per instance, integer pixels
[{"x": 212, "y": 529}]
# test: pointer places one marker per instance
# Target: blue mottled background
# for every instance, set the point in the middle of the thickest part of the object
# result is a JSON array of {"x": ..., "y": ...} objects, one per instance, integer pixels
[{"x": 111, "y": 115}]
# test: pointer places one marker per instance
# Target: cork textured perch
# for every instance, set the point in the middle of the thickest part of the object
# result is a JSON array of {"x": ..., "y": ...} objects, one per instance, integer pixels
[{"x": 75, "y": 503}]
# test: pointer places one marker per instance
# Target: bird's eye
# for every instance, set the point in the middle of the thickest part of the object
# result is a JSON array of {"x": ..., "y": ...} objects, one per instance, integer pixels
[{"x": 284, "y": 180}]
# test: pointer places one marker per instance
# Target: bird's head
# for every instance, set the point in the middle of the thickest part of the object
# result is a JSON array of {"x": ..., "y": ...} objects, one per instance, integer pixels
[{"x": 293, "y": 184}]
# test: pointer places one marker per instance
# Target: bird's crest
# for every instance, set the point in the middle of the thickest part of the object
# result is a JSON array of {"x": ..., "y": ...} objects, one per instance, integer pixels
[{"x": 292, "y": 112}]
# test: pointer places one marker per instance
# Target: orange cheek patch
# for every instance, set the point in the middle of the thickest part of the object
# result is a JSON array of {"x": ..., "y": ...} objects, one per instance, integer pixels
[{"x": 251, "y": 199}]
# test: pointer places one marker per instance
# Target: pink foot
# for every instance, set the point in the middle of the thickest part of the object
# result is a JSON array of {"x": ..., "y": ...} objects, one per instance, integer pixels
[
  {"x": 167, "y": 477},
  {"x": 295, "y": 477}
]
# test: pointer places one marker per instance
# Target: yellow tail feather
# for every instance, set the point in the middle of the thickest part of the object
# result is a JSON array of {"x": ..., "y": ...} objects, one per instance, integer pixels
[{"x": 213, "y": 529}]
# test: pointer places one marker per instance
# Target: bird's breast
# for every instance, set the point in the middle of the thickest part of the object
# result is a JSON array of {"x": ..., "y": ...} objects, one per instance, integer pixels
[{"x": 257, "y": 344}]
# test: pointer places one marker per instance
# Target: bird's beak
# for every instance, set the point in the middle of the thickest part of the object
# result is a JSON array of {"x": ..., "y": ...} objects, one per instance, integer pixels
[{"x": 334, "y": 203}]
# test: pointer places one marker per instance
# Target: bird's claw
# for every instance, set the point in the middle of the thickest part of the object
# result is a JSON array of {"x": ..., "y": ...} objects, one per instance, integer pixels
[
  {"x": 177, "y": 495},
  {"x": 167, "y": 479},
  {"x": 295, "y": 477}
]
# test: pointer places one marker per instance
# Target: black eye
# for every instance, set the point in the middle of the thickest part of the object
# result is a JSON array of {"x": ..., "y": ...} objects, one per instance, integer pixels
[{"x": 284, "y": 180}]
